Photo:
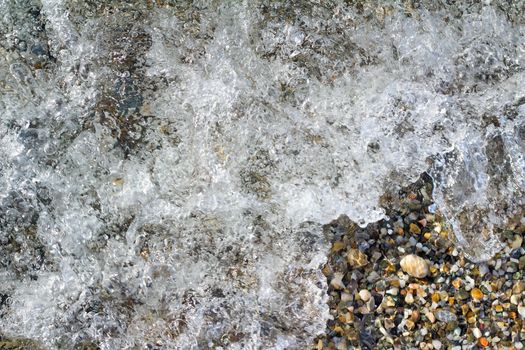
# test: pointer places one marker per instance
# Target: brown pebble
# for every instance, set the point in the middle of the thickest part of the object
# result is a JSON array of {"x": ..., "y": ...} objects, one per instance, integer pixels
[
  {"x": 356, "y": 258},
  {"x": 118, "y": 181},
  {"x": 518, "y": 241},
  {"x": 518, "y": 287},
  {"x": 414, "y": 229},
  {"x": 337, "y": 246},
  {"x": 414, "y": 316}
]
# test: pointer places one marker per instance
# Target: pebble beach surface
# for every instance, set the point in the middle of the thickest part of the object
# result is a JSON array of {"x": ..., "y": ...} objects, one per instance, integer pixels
[{"x": 403, "y": 284}]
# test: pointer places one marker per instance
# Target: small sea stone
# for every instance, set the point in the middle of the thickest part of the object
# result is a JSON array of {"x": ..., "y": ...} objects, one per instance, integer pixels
[
  {"x": 431, "y": 317},
  {"x": 476, "y": 294},
  {"x": 414, "y": 316},
  {"x": 356, "y": 258},
  {"x": 476, "y": 332},
  {"x": 392, "y": 291},
  {"x": 409, "y": 298},
  {"x": 415, "y": 266},
  {"x": 483, "y": 269},
  {"x": 414, "y": 228},
  {"x": 457, "y": 283},
  {"x": 364, "y": 295},
  {"x": 483, "y": 342},
  {"x": 446, "y": 316},
  {"x": 345, "y": 297},
  {"x": 522, "y": 262},
  {"x": 521, "y": 311},
  {"x": 518, "y": 287},
  {"x": 518, "y": 240},
  {"x": 463, "y": 295},
  {"x": 337, "y": 282}
]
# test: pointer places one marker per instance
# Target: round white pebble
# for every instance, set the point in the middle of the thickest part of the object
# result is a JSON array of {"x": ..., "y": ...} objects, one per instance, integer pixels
[{"x": 364, "y": 295}]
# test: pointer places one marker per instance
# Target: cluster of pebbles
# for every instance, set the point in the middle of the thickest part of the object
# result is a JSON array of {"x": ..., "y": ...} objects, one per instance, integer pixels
[{"x": 403, "y": 284}]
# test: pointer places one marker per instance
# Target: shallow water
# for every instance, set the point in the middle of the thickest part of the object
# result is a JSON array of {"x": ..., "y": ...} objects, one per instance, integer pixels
[{"x": 165, "y": 169}]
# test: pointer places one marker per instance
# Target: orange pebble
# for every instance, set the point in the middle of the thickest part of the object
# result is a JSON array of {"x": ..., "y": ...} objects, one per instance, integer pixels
[
  {"x": 483, "y": 342},
  {"x": 476, "y": 294},
  {"x": 457, "y": 283},
  {"x": 435, "y": 297}
]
